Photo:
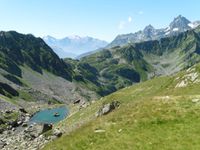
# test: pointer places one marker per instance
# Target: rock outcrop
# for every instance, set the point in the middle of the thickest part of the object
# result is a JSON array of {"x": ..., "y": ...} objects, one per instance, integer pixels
[{"x": 107, "y": 108}]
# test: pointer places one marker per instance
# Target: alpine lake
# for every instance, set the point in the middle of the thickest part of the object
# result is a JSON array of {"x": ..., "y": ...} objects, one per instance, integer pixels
[{"x": 50, "y": 115}]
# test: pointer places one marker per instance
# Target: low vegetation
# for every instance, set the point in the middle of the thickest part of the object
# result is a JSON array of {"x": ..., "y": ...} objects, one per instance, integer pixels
[{"x": 157, "y": 114}]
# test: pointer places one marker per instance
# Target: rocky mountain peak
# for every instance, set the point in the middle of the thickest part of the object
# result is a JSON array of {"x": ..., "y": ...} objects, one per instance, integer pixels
[
  {"x": 180, "y": 23},
  {"x": 149, "y": 27},
  {"x": 149, "y": 31}
]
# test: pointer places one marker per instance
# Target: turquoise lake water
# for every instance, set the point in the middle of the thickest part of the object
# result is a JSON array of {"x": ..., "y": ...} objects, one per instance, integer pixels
[{"x": 47, "y": 115}]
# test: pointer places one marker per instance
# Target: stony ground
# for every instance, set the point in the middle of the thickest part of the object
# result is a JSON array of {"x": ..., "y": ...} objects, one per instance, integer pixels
[{"x": 18, "y": 134}]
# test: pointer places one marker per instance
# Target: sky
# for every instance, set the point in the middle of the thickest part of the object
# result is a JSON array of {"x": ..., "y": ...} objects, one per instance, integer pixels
[{"x": 102, "y": 19}]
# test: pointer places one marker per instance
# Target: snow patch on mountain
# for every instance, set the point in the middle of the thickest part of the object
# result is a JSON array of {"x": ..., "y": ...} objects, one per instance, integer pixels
[
  {"x": 175, "y": 29},
  {"x": 194, "y": 24}
]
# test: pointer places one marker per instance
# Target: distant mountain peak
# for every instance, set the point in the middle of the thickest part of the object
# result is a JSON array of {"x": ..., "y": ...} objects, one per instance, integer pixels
[
  {"x": 149, "y": 30},
  {"x": 180, "y": 22},
  {"x": 47, "y": 36},
  {"x": 149, "y": 27},
  {"x": 179, "y": 17},
  {"x": 74, "y": 37}
]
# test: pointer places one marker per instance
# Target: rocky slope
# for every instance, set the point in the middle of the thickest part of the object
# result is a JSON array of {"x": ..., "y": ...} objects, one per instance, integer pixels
[{"x": 32, "y": 72}]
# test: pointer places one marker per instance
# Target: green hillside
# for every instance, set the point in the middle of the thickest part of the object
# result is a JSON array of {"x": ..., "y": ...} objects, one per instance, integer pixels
[
  {"x": 120, "y": 67},
  {"x": 18, "y": 49},
  {"x": 28, "y": 64},
  {"x": 31, "y": 72},
  {"x": 162, "y": 113}
]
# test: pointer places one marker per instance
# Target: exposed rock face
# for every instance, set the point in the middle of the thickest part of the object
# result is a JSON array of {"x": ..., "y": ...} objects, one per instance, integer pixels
[
  {"x": 22, "y": 110},
  {"x": 13, "y": 123},
  {"x": 180, "y": 23},
  {"x": 105, "y": 109},
  {"x": 192, "y": 76},
  {"x": 57, "y": 133},
  {"x": 77, "y": 101},
  {"x": 33, "y": 131},
  {"x": 6, "y": 105},
  {"x": 17, "y": 133},
  {"x": 47, "y": 127},
  {"x": 30, "y": 137}
]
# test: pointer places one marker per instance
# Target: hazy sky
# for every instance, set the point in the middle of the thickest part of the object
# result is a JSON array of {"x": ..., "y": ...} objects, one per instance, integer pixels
[{"x": 103, "y": 19}]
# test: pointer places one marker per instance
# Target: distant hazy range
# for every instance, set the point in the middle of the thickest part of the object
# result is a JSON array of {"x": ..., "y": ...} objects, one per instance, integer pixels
[{"x": 73, "y": 46}]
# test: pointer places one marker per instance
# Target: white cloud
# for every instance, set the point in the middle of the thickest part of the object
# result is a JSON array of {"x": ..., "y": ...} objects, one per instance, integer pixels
[
  {"x": 121, "y": 25},
  {"x": 141, "y": 12},
  {"x": 129, "y": 19}
]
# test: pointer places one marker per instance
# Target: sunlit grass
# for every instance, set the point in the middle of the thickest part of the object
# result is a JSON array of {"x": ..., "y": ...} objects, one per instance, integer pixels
[{"x": 152, "y": 115}]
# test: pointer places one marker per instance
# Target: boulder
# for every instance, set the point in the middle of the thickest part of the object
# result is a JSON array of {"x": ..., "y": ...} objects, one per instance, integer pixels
[
  {"x": 47, "y": 127},
  {"x": 13, "y": 123},
  {"x": 99, "y": 131},
  {"x": 106, "y": 108},
  {"x": 8, "y": 111},
  {"x": 1, "y": 130},
  {"x": 1, "y": 121},
  {"x": 33, "y": 131},
  {"x": 22, "y": 110},
  {"x": 57, "y": 133},
  {"x": 19, "y": 122},
  {"x": 24, "y": 124},
  {"x": 83, "y": 105},
  {"x": 76, "y": 101},
  {"x": 26, "y": 119},
  {"x": 53, "y": 137}
]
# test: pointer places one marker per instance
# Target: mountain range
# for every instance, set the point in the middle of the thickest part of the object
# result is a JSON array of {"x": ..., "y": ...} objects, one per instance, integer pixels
[
  {"x": 78, "y": 47},
  {"x": 121, "y": 66},
  {"x": 73, "y": 46},
  {"x": 178, "y": 25},
  {"x": 28, "y": 62}
]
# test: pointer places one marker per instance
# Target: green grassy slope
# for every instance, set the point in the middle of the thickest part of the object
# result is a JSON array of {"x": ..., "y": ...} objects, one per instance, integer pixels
[
  {"x": 31, "y": 71},
  {"x": 119, "y": 67},
  {"x": 18, "y": 49},
  {"x": 162, "y": 113}
]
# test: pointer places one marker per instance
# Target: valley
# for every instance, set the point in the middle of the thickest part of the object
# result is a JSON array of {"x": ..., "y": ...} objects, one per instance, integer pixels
[{"x": 141, "y": 91}]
